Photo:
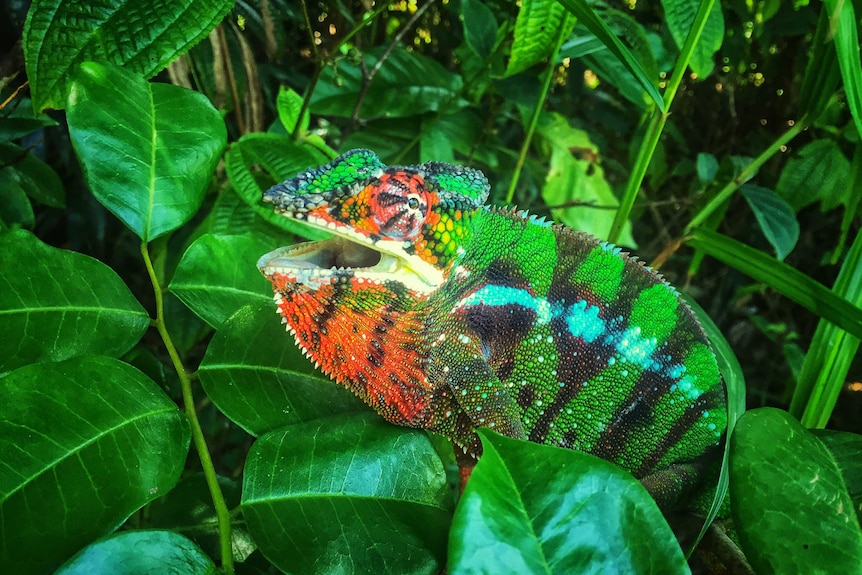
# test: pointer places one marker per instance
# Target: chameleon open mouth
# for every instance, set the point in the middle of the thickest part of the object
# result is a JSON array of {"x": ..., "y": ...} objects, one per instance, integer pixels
[
  {"x": 315, "y": 263},
  {"x": 323, "y": 255}
]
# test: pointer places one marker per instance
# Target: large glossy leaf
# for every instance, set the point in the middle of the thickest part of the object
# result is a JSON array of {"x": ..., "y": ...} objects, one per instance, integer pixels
[
  {"x": 140, "y": 553},
  {"x": 83, "y": 444},
  {"x": 531, "y": 508},
  {"x": 143, "y": 36},
  {"x": 790, "y": 505},
  {"x": 255, "y": 374},
  {"x": 149, "y": 150},
  {"x": 347, "y": 495},
  {"x": 218, "y": 275},
  {"x": 781, "y": 277},
  {"x": 680, "y": 16},
  {"x": 537, "y": 27},
  {"x": 406, "y": 84},
  {"x": 258, "y": 161},
  {"x": 56, "y": 304}
]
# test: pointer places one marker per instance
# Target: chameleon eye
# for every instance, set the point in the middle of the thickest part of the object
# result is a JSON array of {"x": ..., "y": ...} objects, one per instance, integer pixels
[{"x": 399, "y": 205}]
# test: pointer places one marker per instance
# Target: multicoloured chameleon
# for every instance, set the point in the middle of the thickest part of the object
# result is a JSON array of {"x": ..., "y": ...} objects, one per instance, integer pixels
[{"x": 446, "y": 315}]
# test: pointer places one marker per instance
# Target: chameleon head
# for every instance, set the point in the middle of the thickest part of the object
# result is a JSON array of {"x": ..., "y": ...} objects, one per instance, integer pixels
[
  {"x": 390, "y": 224},
  {"x": 351, "y": 300}
]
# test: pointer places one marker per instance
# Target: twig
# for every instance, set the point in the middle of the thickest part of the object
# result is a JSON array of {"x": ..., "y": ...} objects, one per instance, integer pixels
[{"x": 367, "y": 79}]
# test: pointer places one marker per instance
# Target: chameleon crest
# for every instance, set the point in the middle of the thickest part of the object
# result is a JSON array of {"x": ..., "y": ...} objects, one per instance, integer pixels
[{"x": 446, "y": 315}]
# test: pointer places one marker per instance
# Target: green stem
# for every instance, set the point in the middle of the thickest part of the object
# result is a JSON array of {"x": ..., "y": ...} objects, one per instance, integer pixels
[
  {"x": 221, "y": 509},
  {"x": 642, "y": 161},
  {"x": 746, "y": 174},
  {"x": 657, "y": 122},
  {"x": 537, "y": 111}
]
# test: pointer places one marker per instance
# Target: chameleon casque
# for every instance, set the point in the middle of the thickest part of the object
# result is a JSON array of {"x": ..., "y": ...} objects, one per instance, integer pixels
[{"x": 446, "y": 315}]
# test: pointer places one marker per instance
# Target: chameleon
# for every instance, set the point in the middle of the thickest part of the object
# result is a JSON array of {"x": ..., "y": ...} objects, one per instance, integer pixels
[{"x": 444, "y": 314}]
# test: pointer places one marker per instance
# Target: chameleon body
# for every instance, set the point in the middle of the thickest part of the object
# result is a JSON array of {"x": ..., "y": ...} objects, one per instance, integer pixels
[{"x": 446, "y": 315}]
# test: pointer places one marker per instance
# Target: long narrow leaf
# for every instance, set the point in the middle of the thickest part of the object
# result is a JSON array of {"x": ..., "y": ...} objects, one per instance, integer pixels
[
  {"x": 782, "y": 278},
  {"x": 832, "y": 349},
  {"x": 843, "y": 19},
  {"x": 588, "y": 17}
]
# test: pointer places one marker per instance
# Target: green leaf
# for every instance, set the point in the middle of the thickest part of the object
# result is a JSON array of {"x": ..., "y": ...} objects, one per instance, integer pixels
[
  {"x": 531, "y": 508},
  {"x": 230, "y": 215},
  {"x": 34, "y": 176},
  {"x": 822, "y": 73},
  {"x": 734, "y": 381},
  {"x": 480, "y": 27},
  {"x": 435, "y": 146},
  {"x": 775, "y": 216},
  {"x": 280, "y": 159},
  {"x": 58, "y": 304},
  {"x": 831, "y": 353},
  {"x": 610, "y": 69},
  {"x": 575, "y": 177},
  {"x": 843, "y": 22},
  {"x": 141, "y": 36},
  {"x": 21, "y": 121},
  {"x": 318, "y": 493},
  {"x": 254, "y": 373},
  {"x": 149, "y": 150},
  {"x": 680, "y": 16},
  {"x": 406, "y": 84},
  {"x": 92, "y": 440},
  {"x": 536, "y": 30},
  {"x": 819, "y": 171},
  {"x": 218, "y": 275},
  {"x": 786, "y": 280},
  {"x": 707, "y": 168},
  {"x": 583, "y": 11},
  {"x": 289, "y": 104},
  {"x": 790, "y": 505},
  {"x": 845, "y": 449},
  {"x": 140, "y": 553},
  {"x": 15, "y": 208},
  {"x": 190, "y": 503}
]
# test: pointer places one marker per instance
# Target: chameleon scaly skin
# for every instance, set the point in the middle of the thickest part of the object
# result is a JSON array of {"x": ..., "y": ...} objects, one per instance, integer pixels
[{"x": 445, "y": 315}]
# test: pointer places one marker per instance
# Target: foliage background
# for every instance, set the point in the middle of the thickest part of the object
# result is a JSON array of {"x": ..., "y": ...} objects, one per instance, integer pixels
[{"x": 748, "y": 152}]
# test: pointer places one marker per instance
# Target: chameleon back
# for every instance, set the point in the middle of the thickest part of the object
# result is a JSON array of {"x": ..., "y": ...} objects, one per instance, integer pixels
[{"x": 589, "y": 349}]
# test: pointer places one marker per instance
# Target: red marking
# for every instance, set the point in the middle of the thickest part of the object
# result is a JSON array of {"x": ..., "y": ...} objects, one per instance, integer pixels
[
  {"x": 344, "y": 332},
  {"x": 397, "y": 206}
]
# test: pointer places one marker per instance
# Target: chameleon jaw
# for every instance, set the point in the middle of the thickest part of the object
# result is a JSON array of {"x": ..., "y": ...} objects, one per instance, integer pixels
[{"x": 315, "y": 264}]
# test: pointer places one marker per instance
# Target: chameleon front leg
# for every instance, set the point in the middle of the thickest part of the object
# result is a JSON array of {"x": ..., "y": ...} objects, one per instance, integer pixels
[
  {"x": 676, "y": 485},
  {"x": 470, "y": 396}
]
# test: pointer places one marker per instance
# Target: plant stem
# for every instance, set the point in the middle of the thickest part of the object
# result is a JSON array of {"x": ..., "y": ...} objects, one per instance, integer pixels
[
  {"x": 746, "y": 174},
  {"x": 221, "y": 509},
  {"x": 537, "y": 111},
  {"x": 657, "y": 122}
]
